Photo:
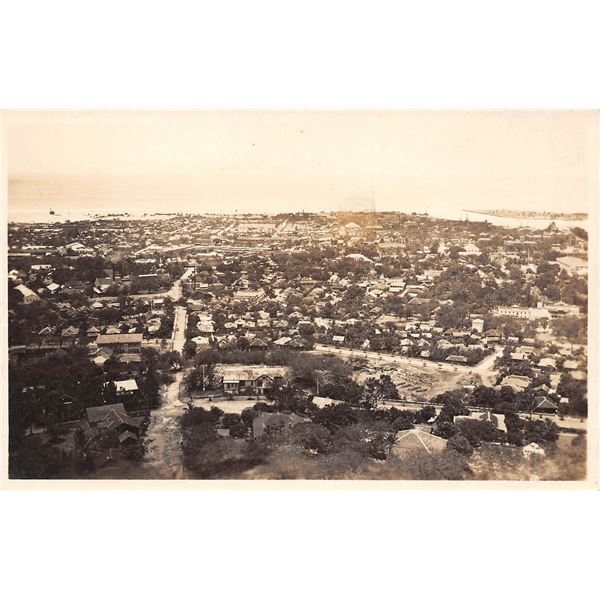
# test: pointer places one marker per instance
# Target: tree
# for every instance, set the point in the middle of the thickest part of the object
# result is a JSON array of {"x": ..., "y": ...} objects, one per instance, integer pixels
[
  {"x": 377, "y": 390},
  {"x": 248, "y": 415},
  {"x": 189, "y": 349},
  {"x": 151, "y": 387},
  {"x": 484, "y": 396},
  {"x": 425, "y": 414},
  {"x": 238, "y": 430},
  {"x": 345, "y": 389},
  {"x": 230, "y": 419},
  {"x": 307, "y": 368},
  {"x": 312, "y": 436},
  {"x": 335, "y": 416},
  {"x": 460, "y": 444},
  {"x": 288, "y": 397},
  {"x": 576, "y": 392},
  {"x": 476, "y": 431},
  {"x": 445, "y": 429},
  {"x": 569, "y": 327}
]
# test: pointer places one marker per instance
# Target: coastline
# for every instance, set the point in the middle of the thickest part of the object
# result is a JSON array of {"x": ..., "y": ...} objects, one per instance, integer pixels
[
  {"x": 448, "y": 213},
  {"x": 534, "y": 215}
]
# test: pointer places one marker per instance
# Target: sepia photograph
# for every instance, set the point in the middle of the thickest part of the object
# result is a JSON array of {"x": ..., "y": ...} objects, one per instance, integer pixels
[
  {"x": 300, "y": 299},
  {"x": 391, "y": 296}
]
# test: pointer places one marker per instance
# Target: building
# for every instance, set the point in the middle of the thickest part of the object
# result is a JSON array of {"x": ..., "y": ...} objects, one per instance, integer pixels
[
  {"x": 417, "y": 440},
  {"x": 545, "y": 405},
  {"x": 396, "y": 285},
  {"x": 518, "y": 383},
  {"x": 127, "y": 387},
  {"x": 28, "y": 296},
  {"x": 250, "y": 295},
  {"x": 121, "y": 343},
  {"x": 322, "y": 401},
  {"x": 94, "y": 414},
  {"x": 477, "y": 325},
  {"x": 523, "y": 312},
  {"x": 573, "y": 265},
  {"x": 249, "y": 380},
  {"x": 267, "y": 422},
  {"x": 518, "y": 312},
  {"x": 455, "y": 358},
  {"x": 498, "y": 420},
  {"x": 562, "y": 309}
]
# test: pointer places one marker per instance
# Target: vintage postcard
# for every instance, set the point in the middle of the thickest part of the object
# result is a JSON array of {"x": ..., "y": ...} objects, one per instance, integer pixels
[{"x": 317, "y": 299}]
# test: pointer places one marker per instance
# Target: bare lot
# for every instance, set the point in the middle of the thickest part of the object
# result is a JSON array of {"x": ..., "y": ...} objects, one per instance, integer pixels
[{"x": 413, "y": 382}]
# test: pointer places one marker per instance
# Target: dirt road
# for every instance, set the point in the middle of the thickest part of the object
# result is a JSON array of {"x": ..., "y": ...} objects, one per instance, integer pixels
[
  {"x": 179, "y": 325},
  {"x": 163, "y": 459},
  {"x": 484, "y": 368}
]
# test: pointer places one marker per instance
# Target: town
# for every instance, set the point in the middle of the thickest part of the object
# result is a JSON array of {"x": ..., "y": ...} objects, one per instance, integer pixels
[{"x": 354, "y": 345}]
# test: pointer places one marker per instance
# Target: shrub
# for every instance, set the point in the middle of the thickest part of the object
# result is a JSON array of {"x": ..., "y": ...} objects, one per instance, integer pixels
[{"x": 460, "y": 444}]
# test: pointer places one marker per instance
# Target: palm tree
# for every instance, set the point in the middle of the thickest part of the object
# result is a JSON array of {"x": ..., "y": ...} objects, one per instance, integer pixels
[{"x": 389, "y": 440}]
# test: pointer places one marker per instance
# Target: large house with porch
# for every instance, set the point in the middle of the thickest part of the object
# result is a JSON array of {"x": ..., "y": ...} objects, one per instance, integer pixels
[
  {"x": 121, "y": 343},
  {"x": 248, "y": 380}
]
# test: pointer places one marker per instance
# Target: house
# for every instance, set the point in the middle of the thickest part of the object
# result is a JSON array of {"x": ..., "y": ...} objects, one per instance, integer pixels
[
  {"x": 518, "y": 383},
  {"x": 250, "y": 380},
  {"x": 103, "y": 283},
  {"x": 250, "y": 295},
  {"x": 69, "y": 332},
  {"x": 121, "y": 343},
  {"x": 457, "y": 359},
  {"x": 76, "y": 287},
  {"x": 127, "y": 438},
  {"x": 126, "y": 387},
  {"x": 561, "y": 309},
  {"x": 109, "y": 426},
  {"x": 573, "y": 265},
  {"x": 486, "y": 417},
  {"x": 417, "y": 440},
  {"x": 396, "y": 285},
  {"x": 321, "y": 401},
  {"x": 28, "y": 296},
  {"x": 258, "y": 344},
  {"x": 147, "y": 278},
  {"x": 545, "y": 405},
  {"x": 94, "y": 414},
  {"x": 205, "y": 327},
  {"x": 477, "y": 325},
  {"x": 77, "y": 247},
  {"x": 268, "y": 422},
  {"x": 547, "y": 363}
]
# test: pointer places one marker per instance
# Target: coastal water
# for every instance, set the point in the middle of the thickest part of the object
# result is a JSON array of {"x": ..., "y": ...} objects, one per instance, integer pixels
[
  {"x": 62, "y": 216},
  {"x": 448, "y": 212}
]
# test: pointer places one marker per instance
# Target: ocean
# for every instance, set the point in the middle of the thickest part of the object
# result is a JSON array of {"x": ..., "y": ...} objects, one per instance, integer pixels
[{"x": 75, "y": 199}]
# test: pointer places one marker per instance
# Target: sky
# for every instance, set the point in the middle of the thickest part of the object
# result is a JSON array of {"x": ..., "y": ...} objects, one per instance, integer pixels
[{"x": 291, "y": 161}]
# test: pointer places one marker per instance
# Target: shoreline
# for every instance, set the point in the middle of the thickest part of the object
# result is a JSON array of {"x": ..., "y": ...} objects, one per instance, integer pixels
[
  {"x": 533, "y": 215},
  {"x": 539, "y": 221}
]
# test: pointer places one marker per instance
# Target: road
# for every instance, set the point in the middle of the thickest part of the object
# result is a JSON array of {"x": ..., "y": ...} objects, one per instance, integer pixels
[
  {"x": 484, "y": 368},
  {"x": 163, "y": 458},
  {"x": 179, "y": 325},
  {"x": 174, "y": 292}
]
